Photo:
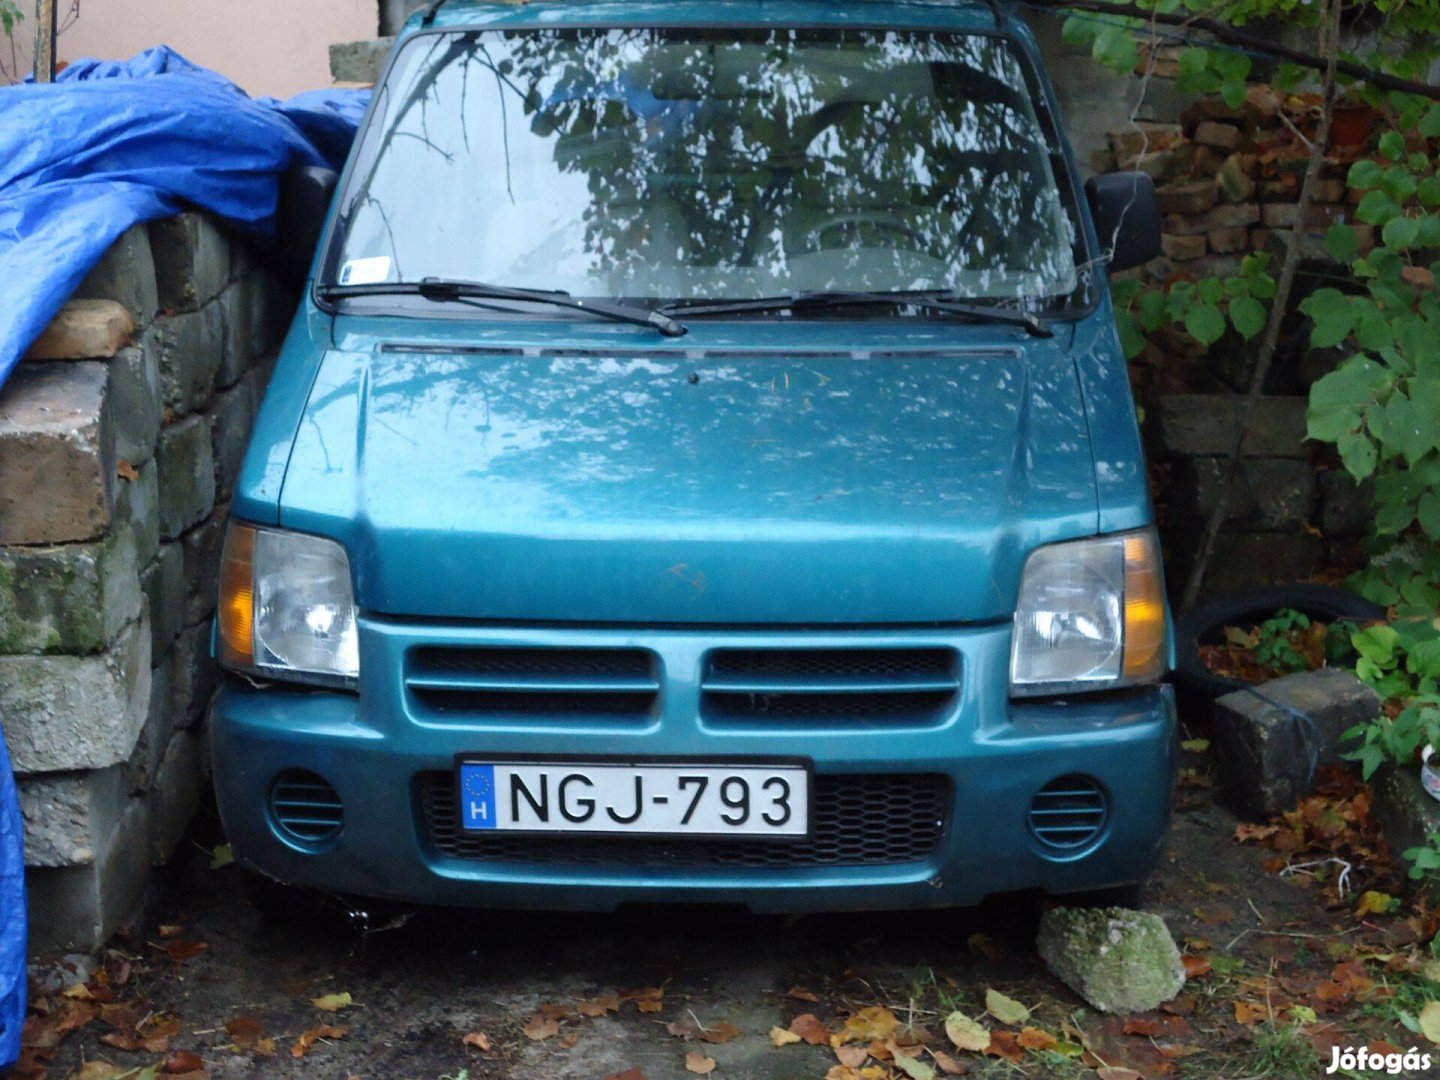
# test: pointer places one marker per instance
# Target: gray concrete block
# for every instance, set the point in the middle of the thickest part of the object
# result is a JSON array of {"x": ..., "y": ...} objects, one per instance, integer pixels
[
  {"x": 1347, "y": 509},
  {"x": 187, "y": 475},
  {"x": 1200, "y": 425},
  {"x": 192, "y": 346},
  {"x": 79, "y": 907},
  {"x": 176, "y": 794},
  {"x": 126, "y": 275},
  {"x": 194, "y": 676},
  {"x": 66, "y": 713},
  {"x": 1407, "y": 814},
  {"x": 164, "y": 585},
  {"x": 359, "y": 61},
  {"x": 240, "y": 343},
  {"x": 1267, "y": 493},
  {"x": 71, "y": 599},
  {"x": 1244, "y": 559},
  {"x": 232, "y": 415},
  {"x": 192, "y": 261},
  {"x": 57, "y": 462},
  {"x": 202, "y": 546},
  {"x": 272, "y": 307},
  {"x": 135, "y": 402},
  {"x": 68, "y": 815},
  {"x": 137, "y": 503},
  {"x": 1272, "y": 737}
]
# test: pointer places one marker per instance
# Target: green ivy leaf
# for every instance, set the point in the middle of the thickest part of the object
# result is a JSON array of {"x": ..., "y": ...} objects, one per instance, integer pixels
[
  {"x": 1377, "y": 644},
  {"x": 1333, "y": 322},
  {"x": 1428, "y": 514},
  {"x": 1364, "y": 174},
  {"x": 1392, "y": 145},
  {"x": 1115, "y": 48},
  {"x": 1233, "y": 92},
  {"x": 1205, "y": 323},
  {"x": 1248, "y": 315},
  {"x": 1131, "y": 339},
  {"x": 1400, "y": 232},
  {"x": 1343, "y": 243},
  {"x": 1428, "y": 191},
  {"x": 1357, "y": 453},
  {"x": 1151, "y": 311},
  {"x": 1376, "y": 207},
  {"x": 1429, "y": 125}
]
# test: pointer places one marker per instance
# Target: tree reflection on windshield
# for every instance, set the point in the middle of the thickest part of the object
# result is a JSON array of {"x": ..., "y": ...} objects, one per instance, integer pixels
[{"x": 681, "y": 165}]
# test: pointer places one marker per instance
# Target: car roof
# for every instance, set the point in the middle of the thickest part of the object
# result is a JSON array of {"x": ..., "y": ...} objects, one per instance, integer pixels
[{"x": 889, "y": 14}]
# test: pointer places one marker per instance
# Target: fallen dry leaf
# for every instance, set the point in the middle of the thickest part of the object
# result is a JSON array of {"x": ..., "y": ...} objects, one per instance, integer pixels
[
  {"x": 699, "y": 1064},
  {"x": 948, "y": 1064},
  {"x": 799, "y": 993},
  {"x": 1005, "y": 1009},
  {"x": 915, "y": 1068},
  {"x": 307, "y": 1040},
  {"x": 871, "y": 1022},
  {"x": 247, "y": 1033},
  {"x": 809, "y": 1028},
  {"x": 598, "y": 1006},
  {"x": 1196, "y": 967},
  {"x": 719, "y": 1033},
  {"x": 1032, "y": 1038},
  {"x": 1430, "y": 1021},
  {"x": 1005, "y": 1044},
  {"x": 477, "y": 1039},
  {"x": 854, "y": 1056},
  {"x": 181, "y": 950},
  {"x": 782, "y": 1037},
  {"x": 629, "y": 1074},
  {"x": 332, "y": 1002},
  {"x": 540, "y": 1027},
  {"x": 966, "y": 1034},
  {"x": 183, "y": 1061},
  {"x": 842, "y": 1072},
  {"x": 1117, "y": 1072},
  {"x": 651, "y": 999}
]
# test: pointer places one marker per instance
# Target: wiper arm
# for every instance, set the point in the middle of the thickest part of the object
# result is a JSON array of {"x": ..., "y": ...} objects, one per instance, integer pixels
[
  {"x": 443, "y": 290},
  {"x": 943, "y": 300}
]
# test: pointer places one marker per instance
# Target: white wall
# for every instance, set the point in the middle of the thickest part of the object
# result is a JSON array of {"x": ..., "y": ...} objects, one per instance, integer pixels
[{"x": 276, "y": 47}]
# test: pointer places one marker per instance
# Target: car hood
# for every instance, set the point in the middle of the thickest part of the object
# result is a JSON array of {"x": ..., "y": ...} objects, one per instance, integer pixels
[{"x": 710, "y": 481}]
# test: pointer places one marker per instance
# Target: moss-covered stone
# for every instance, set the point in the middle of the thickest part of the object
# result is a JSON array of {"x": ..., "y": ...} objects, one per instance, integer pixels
[
  {"x": 74, "y": 598},
  {"x": 1120, "y": 961}
]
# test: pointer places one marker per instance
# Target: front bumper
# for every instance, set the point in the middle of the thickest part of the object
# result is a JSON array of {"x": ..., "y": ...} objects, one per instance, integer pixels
[{"x": 376, "y": 749}]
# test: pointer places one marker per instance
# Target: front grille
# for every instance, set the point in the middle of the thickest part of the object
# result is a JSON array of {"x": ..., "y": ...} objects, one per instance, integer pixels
[
  {"x": 1069, "y": 813},
  {"x": 305, "y": 807},
  {"x": 855, "y": 821},
  {"x": 861, "y": 686},
  {"x": 572, "y": 684}
]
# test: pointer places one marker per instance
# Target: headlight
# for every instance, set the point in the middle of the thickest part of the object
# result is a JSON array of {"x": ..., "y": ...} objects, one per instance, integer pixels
[
  {"x": 287, "y": 608},
  {"x": 1091, "y": 616}
]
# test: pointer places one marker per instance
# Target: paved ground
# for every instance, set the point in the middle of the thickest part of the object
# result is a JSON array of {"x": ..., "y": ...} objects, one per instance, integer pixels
[{"x": 1286, "y": 978}]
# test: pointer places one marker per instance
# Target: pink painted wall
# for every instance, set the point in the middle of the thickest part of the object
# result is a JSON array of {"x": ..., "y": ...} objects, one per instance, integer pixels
[{"x": 277, "y": 47}]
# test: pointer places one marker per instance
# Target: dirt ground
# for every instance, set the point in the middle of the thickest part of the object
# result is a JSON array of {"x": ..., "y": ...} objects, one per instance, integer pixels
[{"x": 1282, "y": 968}]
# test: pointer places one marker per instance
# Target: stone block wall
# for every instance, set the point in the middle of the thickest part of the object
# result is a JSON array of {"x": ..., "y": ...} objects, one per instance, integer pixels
[
  {"x": 1287, "y": 516},
  {"x": 120, "y": 438}
]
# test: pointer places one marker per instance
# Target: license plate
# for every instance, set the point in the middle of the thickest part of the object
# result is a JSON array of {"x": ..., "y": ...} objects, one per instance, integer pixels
[{"x": 635, "y": 799}]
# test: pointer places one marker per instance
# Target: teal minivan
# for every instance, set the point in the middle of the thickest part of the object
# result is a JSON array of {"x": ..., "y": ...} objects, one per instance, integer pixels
[{"x": 702, "y": 469}]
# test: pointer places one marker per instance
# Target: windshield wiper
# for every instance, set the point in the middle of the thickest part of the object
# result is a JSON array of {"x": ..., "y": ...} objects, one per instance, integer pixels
[
  {"x": 943, "y": 300},
  {"x": 445, "y": 290}
]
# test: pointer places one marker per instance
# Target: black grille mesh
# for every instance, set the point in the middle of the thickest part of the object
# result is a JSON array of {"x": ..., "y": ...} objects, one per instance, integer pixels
[{"x": 856, "y": 821}]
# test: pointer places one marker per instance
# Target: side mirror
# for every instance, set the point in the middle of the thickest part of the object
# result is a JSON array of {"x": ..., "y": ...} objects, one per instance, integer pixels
[
  {"x": 305, "y": 194},
  {"x": 1127, "y": 217}
]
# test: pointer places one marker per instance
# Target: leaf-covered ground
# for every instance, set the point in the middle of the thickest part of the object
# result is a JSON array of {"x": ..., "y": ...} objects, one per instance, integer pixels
[{"x": 1282, "y": 966}]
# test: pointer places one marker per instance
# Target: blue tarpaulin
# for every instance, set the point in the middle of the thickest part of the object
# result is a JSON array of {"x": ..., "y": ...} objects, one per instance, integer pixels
[
  {"x": 111, "y": 144},
  {"x": 108, "y": 146}
]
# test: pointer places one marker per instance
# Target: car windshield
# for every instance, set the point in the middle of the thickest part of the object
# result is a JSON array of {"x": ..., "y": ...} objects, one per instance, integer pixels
[{"x": 682, "y": 165}]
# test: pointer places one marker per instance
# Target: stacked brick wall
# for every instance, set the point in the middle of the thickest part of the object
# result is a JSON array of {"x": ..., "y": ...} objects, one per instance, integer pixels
[{"x": 120, "y": 438}]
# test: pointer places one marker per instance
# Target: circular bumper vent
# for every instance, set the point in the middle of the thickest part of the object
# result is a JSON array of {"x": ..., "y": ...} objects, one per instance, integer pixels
[
  {"x": 1068, "y": 814},
  {"x": 306, "y": 808}
]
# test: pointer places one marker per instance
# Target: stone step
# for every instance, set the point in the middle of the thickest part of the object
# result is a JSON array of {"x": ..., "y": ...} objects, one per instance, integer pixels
[{"x": 71, "y": 599}]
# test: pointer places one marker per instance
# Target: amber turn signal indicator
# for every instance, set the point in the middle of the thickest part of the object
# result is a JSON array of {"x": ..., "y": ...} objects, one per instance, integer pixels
[
  {"x": 237, "y": 598},
  {"x": 1145, "y": 627}
]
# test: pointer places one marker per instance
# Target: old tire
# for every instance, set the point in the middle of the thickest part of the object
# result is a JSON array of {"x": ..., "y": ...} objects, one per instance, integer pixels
[{"x": 1196, "y": 684}]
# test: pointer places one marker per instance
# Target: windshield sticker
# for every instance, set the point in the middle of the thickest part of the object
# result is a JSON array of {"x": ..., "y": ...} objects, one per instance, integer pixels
[{"x": 370, "y": 271}]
